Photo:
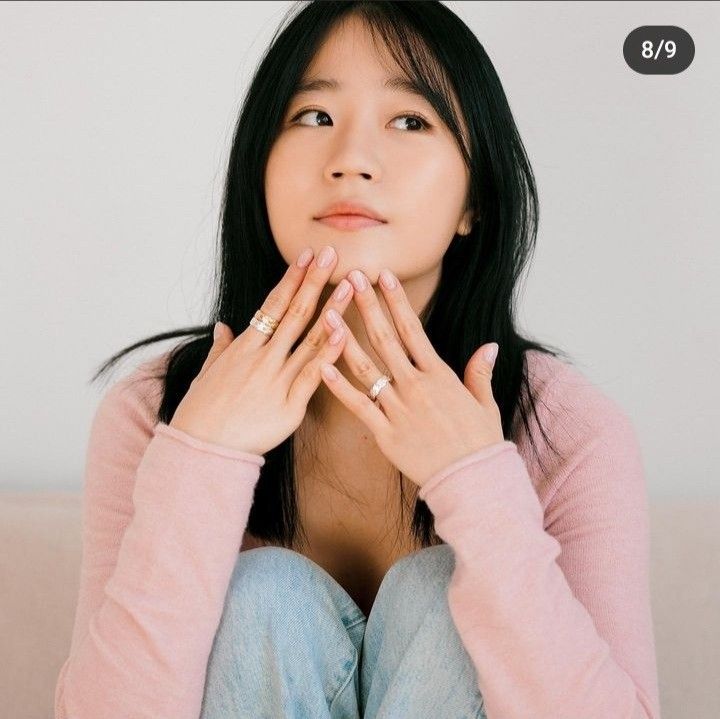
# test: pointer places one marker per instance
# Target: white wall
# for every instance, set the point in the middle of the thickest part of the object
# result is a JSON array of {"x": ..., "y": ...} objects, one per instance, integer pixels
[{"x": 116, "y": 120}]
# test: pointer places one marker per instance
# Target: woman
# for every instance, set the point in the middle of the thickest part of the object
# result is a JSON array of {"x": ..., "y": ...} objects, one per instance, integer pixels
[{"x": 518, "y": 587}]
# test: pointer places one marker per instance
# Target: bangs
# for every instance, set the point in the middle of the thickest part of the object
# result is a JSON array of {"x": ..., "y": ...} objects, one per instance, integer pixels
[{"x": 392, "y": 37}]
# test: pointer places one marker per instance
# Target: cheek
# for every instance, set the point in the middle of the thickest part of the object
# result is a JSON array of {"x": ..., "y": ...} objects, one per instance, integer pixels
[
  {"x": 437, "y": 185},
  {"x": 437, "y": 205},
  {"x": 426, "y": 247},
  {"x": 430, "y": 218},
  {"x": 286, "y": 172},
  {"x": 274, "y": 186},
  {"x": 283, "y": 197}
]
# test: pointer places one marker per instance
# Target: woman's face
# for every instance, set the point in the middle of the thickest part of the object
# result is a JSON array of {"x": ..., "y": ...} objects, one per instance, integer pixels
[{"x": 357, "y": 143}]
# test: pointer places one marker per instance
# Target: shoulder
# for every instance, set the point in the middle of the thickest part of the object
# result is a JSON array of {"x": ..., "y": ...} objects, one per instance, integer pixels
[
  {"x": 121, "y": 429},
  {"x": 134, "y": 398},
  {"x": 588, "y": 428},
  {"x": 569, "y": 397}
]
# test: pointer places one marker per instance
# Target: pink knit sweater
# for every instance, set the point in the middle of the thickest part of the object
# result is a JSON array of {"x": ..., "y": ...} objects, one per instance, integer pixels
[{"x": 550, "y": 593}]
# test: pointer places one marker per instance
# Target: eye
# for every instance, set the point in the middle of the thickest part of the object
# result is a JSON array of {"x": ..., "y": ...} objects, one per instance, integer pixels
[
  {"x": 421, "y": 121},
  {"x": 305, "y": 112},
  {"x": 424, "y": 124}
]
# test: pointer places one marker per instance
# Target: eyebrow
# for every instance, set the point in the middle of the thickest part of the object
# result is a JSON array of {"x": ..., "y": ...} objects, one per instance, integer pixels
[{"x": 397, "y": 84}]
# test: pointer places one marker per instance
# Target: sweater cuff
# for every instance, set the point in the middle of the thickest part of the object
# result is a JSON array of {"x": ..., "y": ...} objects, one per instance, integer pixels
[
  {"x": 210, "y": 447},
  {"x": 485, "y": 453}
]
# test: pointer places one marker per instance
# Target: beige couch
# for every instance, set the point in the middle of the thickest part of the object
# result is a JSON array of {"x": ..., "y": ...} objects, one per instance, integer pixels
[{"x": 39, "y": 573}]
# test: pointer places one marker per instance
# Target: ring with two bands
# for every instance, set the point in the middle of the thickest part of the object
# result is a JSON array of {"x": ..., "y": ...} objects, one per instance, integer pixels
[{"x": 264, "y": 323}]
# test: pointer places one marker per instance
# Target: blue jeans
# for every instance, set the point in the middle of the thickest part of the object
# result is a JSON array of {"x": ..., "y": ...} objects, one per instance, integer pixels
[{"x": 293, "y": 644}]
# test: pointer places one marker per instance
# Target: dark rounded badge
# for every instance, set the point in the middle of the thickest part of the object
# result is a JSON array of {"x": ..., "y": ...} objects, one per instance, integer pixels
[{"x": 659, "y": 49}]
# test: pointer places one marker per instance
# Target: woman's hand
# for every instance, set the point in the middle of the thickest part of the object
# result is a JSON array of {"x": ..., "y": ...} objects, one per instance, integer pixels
[
  {"x": 426, "y": 418},
  {"x": 253, "y": 390}
]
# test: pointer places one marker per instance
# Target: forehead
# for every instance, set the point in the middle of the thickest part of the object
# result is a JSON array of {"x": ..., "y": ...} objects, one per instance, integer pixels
[
  {"x": 351, "y": 55},
  {"x": 393, "y": 84},
  {"x": 351, "y": 50}
]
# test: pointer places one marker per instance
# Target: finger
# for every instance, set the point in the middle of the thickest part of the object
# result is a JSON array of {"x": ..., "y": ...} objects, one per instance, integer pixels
[
  {"x": 357, "y": 402},
  {"x": 277, "y": 302},
  {"x": 222, "y": 338},
  {"x": 319, "y": 332},
  {"x": 365, "y": 369},
  {"x": 381, "y": 332},
  {"x": 302, "y": 306},
  {"x": 308, "y": 379},
  {"x": 407, "y": 323}
]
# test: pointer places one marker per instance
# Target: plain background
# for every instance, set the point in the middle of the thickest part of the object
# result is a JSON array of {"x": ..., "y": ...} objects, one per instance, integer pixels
[{"x": 116, "y": 121}]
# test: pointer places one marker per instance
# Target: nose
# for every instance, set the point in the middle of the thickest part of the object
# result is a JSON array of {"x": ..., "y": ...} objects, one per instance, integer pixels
[
  {"x": 366, "y": 175},
  {"x": 350, "y": 159}
]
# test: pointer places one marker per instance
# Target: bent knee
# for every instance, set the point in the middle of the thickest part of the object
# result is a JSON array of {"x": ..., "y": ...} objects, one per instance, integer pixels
[
  {"x": 274, "y": 580},
  {"x": 265, "y": 572},
  {"x": 282, "y": 591},
  {"x": 425, "y": 570}
]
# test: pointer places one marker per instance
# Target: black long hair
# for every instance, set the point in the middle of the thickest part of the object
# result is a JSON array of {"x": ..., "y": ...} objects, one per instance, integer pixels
[{"x": 474, "y": 302}]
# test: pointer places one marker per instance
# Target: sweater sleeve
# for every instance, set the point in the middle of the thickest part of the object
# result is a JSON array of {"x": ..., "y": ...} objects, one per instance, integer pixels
[
  {"x": 550, "y": 592},
  {"x": 163, "y": 519}
]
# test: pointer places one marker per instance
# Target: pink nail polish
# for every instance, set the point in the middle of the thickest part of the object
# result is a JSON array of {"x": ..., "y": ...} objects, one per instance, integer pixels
[
  {"x": 341, "y": 290},
  {"x": 329, "y": 372},
  {"x": 358, "y": 280},
  {"x": 305, "y": 256},
  {"x": 333, "y": 318},
  {"x": 491, "y": 351},
  {"x": 388, "y": 279}
]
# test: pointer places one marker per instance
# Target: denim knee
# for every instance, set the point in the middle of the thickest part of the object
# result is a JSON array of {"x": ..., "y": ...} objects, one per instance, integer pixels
[
  {"x": 265, "y": 577},
  {"x": 413, "y": 662},
  {"x": 282, "y": 643},
  {"x": 425, "y": 573},
  {"x": 278, "y": 586}
]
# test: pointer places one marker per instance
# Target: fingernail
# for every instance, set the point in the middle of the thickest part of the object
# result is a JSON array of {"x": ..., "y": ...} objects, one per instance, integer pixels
[
  {"x": 305, "y": 256},
  {"x": 342, "y": 290},
  {"x": 329, "y": 372},
  {"x": 388, "y": 279},
  {"x": 326, "y": 256},
  {"x": 333, "y": 318},
  {"x": 217, "y": 331},
  {"x": 358, "y": 280},
  {"x": 490, "y": 352}
]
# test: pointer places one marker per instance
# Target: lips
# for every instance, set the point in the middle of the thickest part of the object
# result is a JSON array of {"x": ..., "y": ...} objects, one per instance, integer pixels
[
  {"x": 347, "y": 208},
  {"x": 349, "y": 222}
]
